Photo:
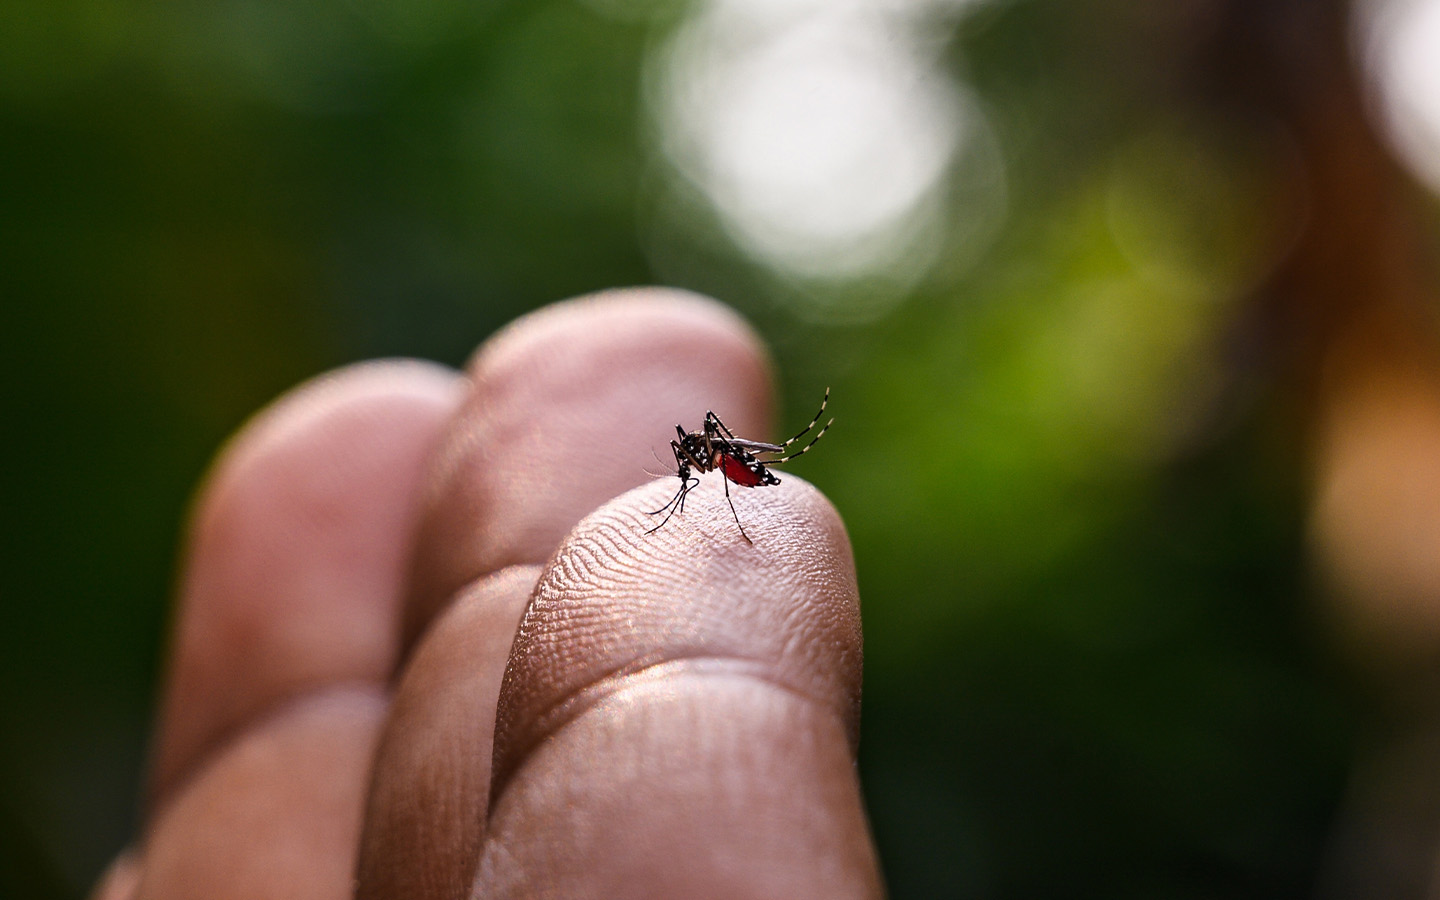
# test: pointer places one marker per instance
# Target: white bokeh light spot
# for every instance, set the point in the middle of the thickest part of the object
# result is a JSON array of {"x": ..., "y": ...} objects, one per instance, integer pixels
[
  {"x": 817, "y": 131},
  {"x": 1401, "y": 40}
]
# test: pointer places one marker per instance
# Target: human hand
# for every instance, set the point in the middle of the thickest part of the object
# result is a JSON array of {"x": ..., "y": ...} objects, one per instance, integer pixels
[{"x": 676, "y": 715}]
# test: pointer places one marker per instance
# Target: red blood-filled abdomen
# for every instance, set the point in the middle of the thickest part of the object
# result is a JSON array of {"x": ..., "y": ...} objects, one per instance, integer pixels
[{"x": 738, "y": 472}]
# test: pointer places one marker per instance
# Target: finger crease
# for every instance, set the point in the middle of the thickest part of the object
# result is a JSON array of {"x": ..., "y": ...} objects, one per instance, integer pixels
[{"x": 575, "y": 704}]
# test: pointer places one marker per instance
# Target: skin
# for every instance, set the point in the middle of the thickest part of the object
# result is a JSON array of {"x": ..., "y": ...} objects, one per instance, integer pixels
[{"x": 425, "y": 649}]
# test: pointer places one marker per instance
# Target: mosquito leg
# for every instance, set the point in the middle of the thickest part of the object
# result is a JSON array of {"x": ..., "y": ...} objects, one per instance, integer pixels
[
  {"x": 682, "y": 469},
  {"x": 690, "y": 485},
  {"x": 806, "y": 448},
  {"x": 733, "y": 512},
  {"x": 713, "y": 425},
  {"x": 806, "y": 430},
  {"x": 674, "y": 506},
  {"x": 673, "y": 501}
]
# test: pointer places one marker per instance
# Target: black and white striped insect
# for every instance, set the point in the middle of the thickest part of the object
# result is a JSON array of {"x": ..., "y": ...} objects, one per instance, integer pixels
[{"x": 716, "y": 447}]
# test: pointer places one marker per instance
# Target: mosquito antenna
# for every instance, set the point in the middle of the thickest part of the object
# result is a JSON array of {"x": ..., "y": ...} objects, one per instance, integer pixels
[{"x": 666, "y": 474}]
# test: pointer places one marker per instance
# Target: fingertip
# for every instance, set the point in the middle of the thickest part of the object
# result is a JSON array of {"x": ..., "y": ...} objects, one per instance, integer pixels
[
  {"x": 121, "y": 879},
  {"x": 296, "y": 552},
  {"x": 568, "y": 406},
  {"x": 359, "y": 387},
  {"x": 312, "y": 433},
  {"x": 618, "y": 598},
  {"x": 680, "y": 710},
  {"x": 615, "y": 315}
]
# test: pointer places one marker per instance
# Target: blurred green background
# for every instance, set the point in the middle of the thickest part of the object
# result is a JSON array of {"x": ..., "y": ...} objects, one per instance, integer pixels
[{"x": 1021, "y": 241}]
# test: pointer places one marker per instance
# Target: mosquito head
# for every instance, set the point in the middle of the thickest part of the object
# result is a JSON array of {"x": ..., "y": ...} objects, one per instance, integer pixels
[{"x": 716, "y": 447}]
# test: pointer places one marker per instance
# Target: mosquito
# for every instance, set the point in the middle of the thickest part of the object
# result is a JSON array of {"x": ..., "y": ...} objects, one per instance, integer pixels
[{"x": 716, "y": 447}]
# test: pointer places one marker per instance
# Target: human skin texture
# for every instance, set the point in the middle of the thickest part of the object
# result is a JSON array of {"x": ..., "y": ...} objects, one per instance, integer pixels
[{"x": 428, "y": 647}]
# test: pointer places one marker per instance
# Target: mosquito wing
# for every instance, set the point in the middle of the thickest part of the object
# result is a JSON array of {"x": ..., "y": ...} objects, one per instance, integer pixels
[{"x": 754, "y": 446}]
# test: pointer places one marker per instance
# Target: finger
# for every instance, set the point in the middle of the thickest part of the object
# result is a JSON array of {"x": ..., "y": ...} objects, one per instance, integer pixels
[
  {"x": 296, "y": 554},
  {"x": 569, "y": 407},
  {"x": 120, "y": 880},
  {"x": 424, "y": 821},
  {"x": 680, "y": 710},
  {"x": 275, "y": 813},
  {"x": 566, "y": 407}
]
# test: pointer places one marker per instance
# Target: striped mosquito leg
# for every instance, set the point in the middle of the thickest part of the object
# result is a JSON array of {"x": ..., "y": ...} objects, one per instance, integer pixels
[
  {"x": 806, "y": 448},
  {"x": 806, "y": 429}
]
